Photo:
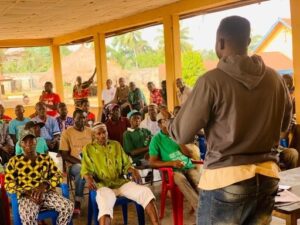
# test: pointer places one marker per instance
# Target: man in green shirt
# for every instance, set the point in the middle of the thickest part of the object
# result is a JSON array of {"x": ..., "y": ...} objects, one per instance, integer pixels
[
  {"x": 136, "y": 97},
  {"x": 136, "y": 140},
  {"x": 164, "y": 152},
  {"x": 104, "y": 164}
]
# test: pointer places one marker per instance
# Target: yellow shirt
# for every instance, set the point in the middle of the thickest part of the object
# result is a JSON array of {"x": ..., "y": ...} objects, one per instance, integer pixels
[{"x": 212, "y": 179}]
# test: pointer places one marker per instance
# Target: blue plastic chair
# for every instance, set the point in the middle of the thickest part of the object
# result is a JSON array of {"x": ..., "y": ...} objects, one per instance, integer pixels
[
  {"x": 42, "y": 214},
  {"x": 93, "y": 209}
]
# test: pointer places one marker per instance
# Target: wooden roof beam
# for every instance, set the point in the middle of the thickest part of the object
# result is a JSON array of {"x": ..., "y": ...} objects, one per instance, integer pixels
[{"x": 15, "y": 43}]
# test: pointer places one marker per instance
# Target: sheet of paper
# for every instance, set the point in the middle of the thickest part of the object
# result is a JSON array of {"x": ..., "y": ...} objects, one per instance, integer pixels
[{"x": 286, "y": 196}]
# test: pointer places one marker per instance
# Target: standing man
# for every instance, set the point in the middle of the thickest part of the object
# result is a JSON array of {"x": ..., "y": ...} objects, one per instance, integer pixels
[
  {"x": 243, "y": 105},
  {"x": 108, "y": 94},
  {"x": 71, "y": 144},
  {"x": 81, "y": 89},
  {"x": 50, "y": 99},
  {"x": 183, "y": 91},
  {"x": 15, "y": 124}
]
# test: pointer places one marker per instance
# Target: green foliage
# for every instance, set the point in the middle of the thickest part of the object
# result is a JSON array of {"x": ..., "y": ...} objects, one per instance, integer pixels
[
  {"x": 150, "y": 59},
  {"x": 209, "y": 55},
  {"x": 32, "y": 60},
  {"x": 192, "y": 67}
]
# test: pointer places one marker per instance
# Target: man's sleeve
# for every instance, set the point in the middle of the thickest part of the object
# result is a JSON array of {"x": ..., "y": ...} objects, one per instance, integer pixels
[
  {"x": 64, "y": 144},
  {"x": 194, "y": 113},
  {"x": 10, "y": 183},
  {"x": 57, "y": 99},
  {"x": 127, "y": 143},
  {"x": 87, "y": 167},
  {"x": 288, "y": 110},
  {"x": 153, "y": 147},
  {"x": 55, "y": 176},
  {"x": 55, "y": 127},
  {"x": 11, "y": 128}
]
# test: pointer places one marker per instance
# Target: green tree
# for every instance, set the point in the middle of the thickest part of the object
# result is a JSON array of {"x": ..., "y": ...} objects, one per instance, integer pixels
[
  {"x": 192, "y": 67},
  {"x": 209, "y": 55},
  {"x": 255, "y": 40},
  {"x": 185, "y": 45}
]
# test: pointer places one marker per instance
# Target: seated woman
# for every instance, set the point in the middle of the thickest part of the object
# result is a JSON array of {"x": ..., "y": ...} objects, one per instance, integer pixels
[
  {"x": 33, "y": 177},
  {"x": 104, "y": 165}
]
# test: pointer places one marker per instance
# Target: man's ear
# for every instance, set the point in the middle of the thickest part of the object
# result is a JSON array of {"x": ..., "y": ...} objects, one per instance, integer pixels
[
  {"x": 222, "y": 43},
  {"x": 249, "y": 41}
]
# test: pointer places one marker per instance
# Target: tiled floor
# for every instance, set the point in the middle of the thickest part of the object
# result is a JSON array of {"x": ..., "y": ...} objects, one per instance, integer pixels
[{"x": 189, "y": 218}]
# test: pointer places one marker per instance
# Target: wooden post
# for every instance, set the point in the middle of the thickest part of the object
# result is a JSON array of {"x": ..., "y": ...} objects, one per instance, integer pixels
[
  {"x": 58, "y": 79},
  {"x": 172, "y": 56},
  {"x": 101, "y": 66},
  {"x": 295, "y": 19}
]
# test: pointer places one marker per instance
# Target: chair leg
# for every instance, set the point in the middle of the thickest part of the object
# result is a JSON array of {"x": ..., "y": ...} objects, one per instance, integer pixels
[
  {"x": 125, "y": 213},
  {"x": 174, "y": 206},
  {"x": 163, "y": 197},
  {"x": 179, "y": 202},
  {"x": 90, "y": 211},
  {"x": 140, "y": 213}
]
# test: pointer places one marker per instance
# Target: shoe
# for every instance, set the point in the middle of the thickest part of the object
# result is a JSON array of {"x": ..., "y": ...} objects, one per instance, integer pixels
[
  {"x": 77, "y": 208},
  {"x": 149, "y": 177}
]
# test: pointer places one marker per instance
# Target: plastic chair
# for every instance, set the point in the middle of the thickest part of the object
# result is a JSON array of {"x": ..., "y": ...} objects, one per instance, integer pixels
[
  {"x": 176, "y": 195},
  {"x": 122, "y": 201},
  {"x": 42, "y": 214},
  {"x": 4, "y": 199}
]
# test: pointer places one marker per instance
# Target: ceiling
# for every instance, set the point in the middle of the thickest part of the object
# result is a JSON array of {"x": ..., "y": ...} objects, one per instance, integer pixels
[{"x": 33, "y": 19}]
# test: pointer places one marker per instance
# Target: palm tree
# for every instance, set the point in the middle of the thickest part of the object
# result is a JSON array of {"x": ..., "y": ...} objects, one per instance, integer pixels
[
  {"x": 184, "y": 39},
  {"x": 131, "y": 44}
]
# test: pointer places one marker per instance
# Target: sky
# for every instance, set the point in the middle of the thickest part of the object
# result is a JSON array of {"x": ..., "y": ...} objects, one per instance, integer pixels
[{"x": 203, "y": 27}]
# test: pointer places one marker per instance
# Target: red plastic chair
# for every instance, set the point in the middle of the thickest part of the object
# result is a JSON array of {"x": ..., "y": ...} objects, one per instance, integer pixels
[
  {"x": 176, "y": 195},
  {"x": 4, "y": 198}
]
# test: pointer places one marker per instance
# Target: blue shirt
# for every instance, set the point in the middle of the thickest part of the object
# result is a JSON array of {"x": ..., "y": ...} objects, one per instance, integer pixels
[
  {"x": 41, "y": 146},
  {"x": 14, "y": 126},
  {"x": 50, "y": 129},
  {"x": 64, "y": 124}
]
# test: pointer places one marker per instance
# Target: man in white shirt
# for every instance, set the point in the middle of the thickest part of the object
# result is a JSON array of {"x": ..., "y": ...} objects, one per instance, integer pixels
[
  {"x": 150, "y": 121},
  {"x": 109, "y": 93},
  {"x": 183, "y": 91}
]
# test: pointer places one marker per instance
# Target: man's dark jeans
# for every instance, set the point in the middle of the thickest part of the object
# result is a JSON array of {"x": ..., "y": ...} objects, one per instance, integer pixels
[{"x": 248, "y": 202}]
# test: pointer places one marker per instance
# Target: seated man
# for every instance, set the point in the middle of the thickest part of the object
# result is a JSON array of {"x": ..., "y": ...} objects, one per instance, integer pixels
[
  {"x": 41, "y": 144},
  {"x": 6, "y": 143},
  {"x": 136, "y": 140},
  {"x": 104, "y": 165},
  {"x": 71, "y": 144},
  {"x": 4, "y": 117},
  {"x": 15, "y": 124},
  {"x": 90, "y": 117},
  {"x": 164, "y": 152},
  {"x": 116, "y": 124},
  {"x": 150, "y": 121},
  {"x": 64, "y": 121},
  {"x": 35, "y": 187},
  {"x": 50, "y": 131}
]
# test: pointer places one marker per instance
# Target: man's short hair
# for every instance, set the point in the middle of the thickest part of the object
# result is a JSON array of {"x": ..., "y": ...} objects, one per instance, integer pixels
[
  {"x": 83, "y": 101},
  {"x": 77, "y": 111},
  {"x": 62, "y": 104},
  {"x": 236, "y": 30}
]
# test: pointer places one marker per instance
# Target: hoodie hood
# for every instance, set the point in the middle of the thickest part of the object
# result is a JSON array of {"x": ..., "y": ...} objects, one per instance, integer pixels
[{"x": 247, "y": 70}]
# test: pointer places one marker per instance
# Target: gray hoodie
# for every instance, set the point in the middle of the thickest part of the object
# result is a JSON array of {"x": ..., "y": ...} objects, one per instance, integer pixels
[{"x": 242, "y": 105}]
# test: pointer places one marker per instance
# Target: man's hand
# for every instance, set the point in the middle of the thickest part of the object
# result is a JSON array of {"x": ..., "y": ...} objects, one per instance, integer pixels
[
  {"x": 36, "y": 194},
  {"x": 177, "y": 164},
  {"x": 91, "y": 183},
  {"x": 135, "y": 175}
]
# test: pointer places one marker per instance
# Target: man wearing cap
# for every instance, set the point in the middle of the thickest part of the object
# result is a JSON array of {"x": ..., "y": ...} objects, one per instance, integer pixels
[
  {"x": 71, "y": 144},
  {"x": 15, "y": 124},
  {"x": 116, "y": 124},
  {"x": 41, "y": 144},
  {"x": 150, "y": 121},
  {"x": 50, "y": 131},
  {"x": 104, "y": 166},
  {"x": 34, "y": 177},
  {"x": 136, "y": 140},
  {"x": 164, "y": 152}
]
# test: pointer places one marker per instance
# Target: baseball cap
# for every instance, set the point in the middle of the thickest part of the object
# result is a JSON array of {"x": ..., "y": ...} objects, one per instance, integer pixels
[
  {"x": 25, "y": 133},
  {"x": 132, "y": 113},
  {"x": 31, "y": 124}
]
